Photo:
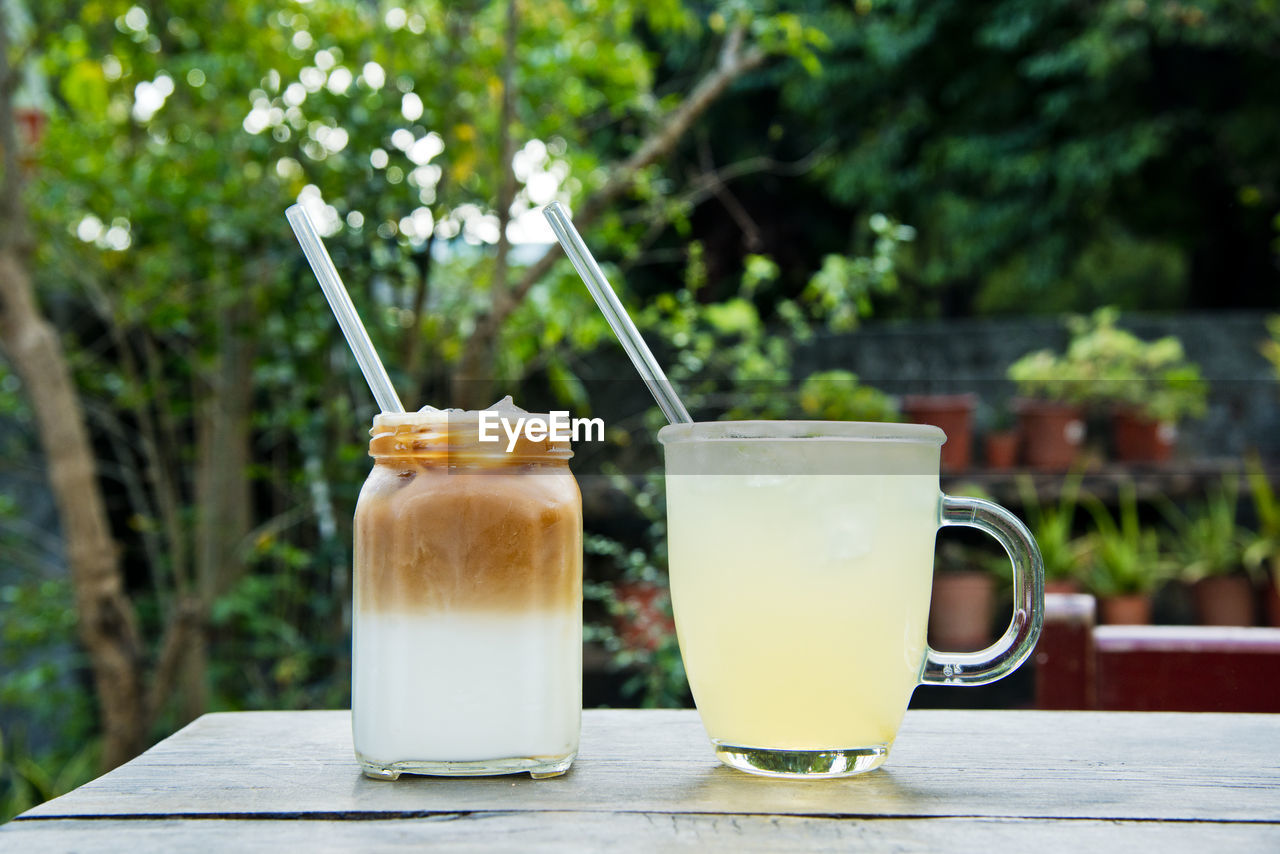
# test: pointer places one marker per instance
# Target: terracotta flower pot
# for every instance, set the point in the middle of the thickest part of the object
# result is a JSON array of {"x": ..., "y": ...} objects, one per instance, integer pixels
[
  {"x": 1051, "y": 433},
  {"x": 1138, "y": 439},
  {"x": 1271, "y": 599},
  {"x": 1001, "y": 449},
  {"x": 954, "y": 414},
  {"x": 1133, "y": 609},
  {"x": 1224, "y": 600},
  {"x": 1061, "y": 585},
  {"x": 961, "y": 610}
]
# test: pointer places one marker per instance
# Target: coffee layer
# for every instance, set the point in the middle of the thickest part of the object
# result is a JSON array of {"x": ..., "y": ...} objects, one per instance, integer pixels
[{"x": 429, "y": 540}]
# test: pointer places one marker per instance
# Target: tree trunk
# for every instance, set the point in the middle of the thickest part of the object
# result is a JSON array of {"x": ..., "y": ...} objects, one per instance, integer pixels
[
  {"x": 222, "y": 494},
  {"x": 107, "y": 622},
  {"x": 474, "y": 378},
  {"x": 222, "y": 486}
]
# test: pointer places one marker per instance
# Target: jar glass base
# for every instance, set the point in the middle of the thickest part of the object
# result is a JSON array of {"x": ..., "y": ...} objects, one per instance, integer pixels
[
  {"x": 537, "y": 767},
  {"x": 802, "y": 764}
]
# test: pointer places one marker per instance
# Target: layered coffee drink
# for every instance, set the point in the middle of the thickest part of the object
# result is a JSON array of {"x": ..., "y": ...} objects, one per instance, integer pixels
[{"x": 467, "y": 633}]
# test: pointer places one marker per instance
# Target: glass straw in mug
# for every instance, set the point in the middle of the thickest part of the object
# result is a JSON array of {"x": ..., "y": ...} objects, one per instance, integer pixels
[
  {"x": 619, "y": 320},
  {"x": 357, "y": 338}
]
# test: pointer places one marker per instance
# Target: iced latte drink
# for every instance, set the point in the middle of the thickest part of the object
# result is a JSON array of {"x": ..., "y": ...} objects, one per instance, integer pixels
[{"x": 468, "y": 602}]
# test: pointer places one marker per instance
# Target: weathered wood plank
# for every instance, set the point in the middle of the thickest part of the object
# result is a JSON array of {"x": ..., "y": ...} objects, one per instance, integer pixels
[
  {"x": 635, "y": 832},
  {"x": 983, "y": 764}
]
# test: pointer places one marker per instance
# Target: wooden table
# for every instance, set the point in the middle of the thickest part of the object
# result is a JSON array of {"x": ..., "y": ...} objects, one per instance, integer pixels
[{"x": 647, "y": 781}]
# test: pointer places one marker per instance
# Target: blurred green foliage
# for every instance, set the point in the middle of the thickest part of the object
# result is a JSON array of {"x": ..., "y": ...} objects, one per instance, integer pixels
[
  {"x": 840, "y": 396},
  {"x": 1052, "y": 155},
  {"x": 51, "y": 746},
  {"x": 1262, "y": 546},
  {"x": 636, "y": 634},
  {"x": 1122, "y": 556},
  {"x": 48, "y": 743},
  {"x": 1270, "y": 348},
  {"x": 1053, "y": 525},
  {"x": 1207, "y": 539}
]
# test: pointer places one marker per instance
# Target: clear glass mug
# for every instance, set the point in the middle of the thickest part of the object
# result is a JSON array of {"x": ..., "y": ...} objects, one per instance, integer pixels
[{"x": 801, "y": 563}]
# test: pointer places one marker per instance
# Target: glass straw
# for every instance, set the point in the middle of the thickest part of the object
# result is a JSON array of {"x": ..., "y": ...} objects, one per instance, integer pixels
[
  {"x": 611, "y": 306},
  {"x": 357, "y": 338}
]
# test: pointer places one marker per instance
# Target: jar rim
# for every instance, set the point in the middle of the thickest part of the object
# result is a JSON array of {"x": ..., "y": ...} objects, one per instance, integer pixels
[{"x": 455, "y": 436}]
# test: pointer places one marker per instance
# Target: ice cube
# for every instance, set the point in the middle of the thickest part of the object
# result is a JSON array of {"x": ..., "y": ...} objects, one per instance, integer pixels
[
  {"x": 849, "y": 536},
  {"x": 506, "y": 405}
]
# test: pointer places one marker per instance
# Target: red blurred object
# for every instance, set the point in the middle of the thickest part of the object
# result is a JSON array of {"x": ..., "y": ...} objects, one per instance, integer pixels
[
  {"x": 1152, "y": 668},
  {"x": 645, "y": 619},
  {"x": 31, "y": 126},
  {"x": 1188, "y": 668},
  {"x": 1064, "y": 655}
]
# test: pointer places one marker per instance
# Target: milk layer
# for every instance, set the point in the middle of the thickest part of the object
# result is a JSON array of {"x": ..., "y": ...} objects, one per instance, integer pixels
[{"x": 466, "y": 687}]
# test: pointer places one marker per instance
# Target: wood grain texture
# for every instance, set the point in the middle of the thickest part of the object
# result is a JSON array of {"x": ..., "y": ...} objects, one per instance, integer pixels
[
  {"x": 1078, "y": 765},
  {"x": 635, "y": 832}
]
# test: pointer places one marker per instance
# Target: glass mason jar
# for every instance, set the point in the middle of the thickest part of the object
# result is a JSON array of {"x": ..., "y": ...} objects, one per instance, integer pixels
[{"x": 467, "y": 631}]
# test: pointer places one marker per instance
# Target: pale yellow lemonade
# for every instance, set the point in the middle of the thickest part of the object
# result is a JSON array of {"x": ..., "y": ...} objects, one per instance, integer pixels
[{"x": 802, "y": 599}]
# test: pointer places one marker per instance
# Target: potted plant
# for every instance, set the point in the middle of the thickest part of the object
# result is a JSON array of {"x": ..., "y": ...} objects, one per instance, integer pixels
[
  {"x": 1000, "y": 439},
  {"x": 1209, "y": 547},
  {"x": 1262, "y": 547},
  {"x": 1124, "y": 561},
  {"x": 1147, "y": 386},
  {"x": 840, "y": 396},
  {"x": 1050, "y": 421},
  {"x": 1052, "y": 525},
  {"x": 953, "y": 413}
]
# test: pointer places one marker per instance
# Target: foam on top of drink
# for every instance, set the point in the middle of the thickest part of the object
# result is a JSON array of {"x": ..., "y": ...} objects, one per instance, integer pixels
[
  {"x": 432, "y": 432},
  {"x": 431, "y": 415}
]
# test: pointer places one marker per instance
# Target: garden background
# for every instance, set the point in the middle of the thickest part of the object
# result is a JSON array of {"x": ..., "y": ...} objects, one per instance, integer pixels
[{"x": 810, "y": 207}]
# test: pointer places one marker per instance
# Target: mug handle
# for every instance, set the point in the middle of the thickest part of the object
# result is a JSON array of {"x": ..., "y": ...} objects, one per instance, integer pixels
[{"x": 1006, "y": 654}]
